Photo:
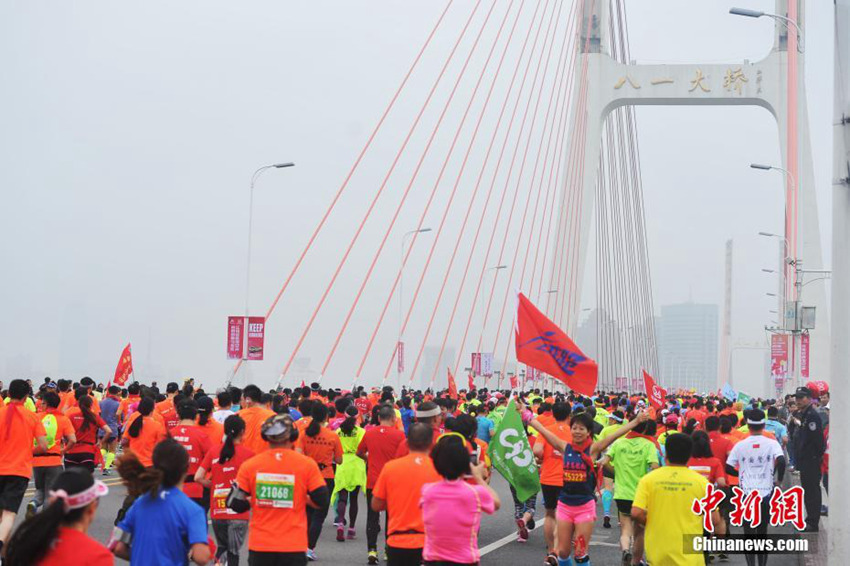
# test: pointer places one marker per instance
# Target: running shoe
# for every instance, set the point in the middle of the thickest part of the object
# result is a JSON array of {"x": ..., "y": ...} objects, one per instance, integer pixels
[
  {"x": 606, "y": 522},
  {"x": 373, "y": 557},
  {"x": 722, "y": 557},
  {"x": 106, "y": 472},
  {"x": 522, "y": 531},
  {"x": 311, "y": 555},
  {"x": 531, "y": 524},
  {"x": 352, "y": 534},
  {"x": 551, "y": 560},
  {"x": 340, "y": 534},
  {"x": 627, "y": 558},
  {"x": 32, "y": 509}
]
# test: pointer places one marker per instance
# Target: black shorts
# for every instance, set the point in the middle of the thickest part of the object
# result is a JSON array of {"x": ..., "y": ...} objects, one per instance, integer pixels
[
  {"x": 256, "y": 558},
  {"x": 12, "y": 490},
  {"x": 403, "y": 556},
  {"x": 550, "y": 496},
  {"x": 607, "y": 473},
  {"x": 624, "y": 506}
]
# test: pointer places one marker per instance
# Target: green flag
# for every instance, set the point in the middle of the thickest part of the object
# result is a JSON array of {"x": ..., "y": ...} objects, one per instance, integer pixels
[
  {"x": 744, "y": 398},
  {"x": 511, "y": 454}
]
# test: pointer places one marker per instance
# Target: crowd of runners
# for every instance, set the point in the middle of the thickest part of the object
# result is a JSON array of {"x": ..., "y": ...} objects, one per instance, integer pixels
[{"x": 208, "y": 472}]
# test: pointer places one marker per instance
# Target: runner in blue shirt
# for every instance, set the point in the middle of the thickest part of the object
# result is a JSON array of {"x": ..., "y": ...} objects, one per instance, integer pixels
[{"x": 163, "y": 526}]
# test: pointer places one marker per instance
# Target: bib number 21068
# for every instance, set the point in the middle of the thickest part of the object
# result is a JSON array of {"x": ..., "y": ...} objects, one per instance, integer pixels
[{"x": 274, "y": 490}]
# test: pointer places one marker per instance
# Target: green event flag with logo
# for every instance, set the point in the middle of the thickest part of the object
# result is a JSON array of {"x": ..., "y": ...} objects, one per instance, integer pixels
[
  {"x": 511, "y": 454},
  {"x": 744, "y": 398}
]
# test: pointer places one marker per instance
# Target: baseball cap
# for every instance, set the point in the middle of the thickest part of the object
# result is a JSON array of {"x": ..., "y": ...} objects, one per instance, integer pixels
[
  {"x": 277, "y": 427},
  {"x": 803, "y": 392}
]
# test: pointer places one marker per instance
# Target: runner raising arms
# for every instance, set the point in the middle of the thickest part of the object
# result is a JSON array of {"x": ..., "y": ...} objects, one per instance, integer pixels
[{"x": 577, "y": 502}]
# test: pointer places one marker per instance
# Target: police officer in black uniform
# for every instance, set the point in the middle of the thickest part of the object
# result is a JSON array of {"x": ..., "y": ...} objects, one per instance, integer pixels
[{"x": 809, "y": 447}]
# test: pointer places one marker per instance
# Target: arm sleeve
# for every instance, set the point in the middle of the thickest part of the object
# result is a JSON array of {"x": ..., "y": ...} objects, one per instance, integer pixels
[
  {"x": 128, "y": 523},
  {"x": 487, "y": 504},
  {"x": 651, "y": 454},
  {"x": 380, "y": 489},
  {"x": 641, "y": 493},
  {"x": 363, "y": 446},
  {"x": 206, "y": 463},
  {"x": 337, "y": 446},
  {"x": 732, "y": 459},
  {"x": 245, "y": 479},
  {"x": 315, "y": 480},
  {"x": 196, "y": 529}
]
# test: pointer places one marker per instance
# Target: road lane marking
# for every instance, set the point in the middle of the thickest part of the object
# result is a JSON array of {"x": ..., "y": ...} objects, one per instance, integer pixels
[{"x": 513, "y": 536}]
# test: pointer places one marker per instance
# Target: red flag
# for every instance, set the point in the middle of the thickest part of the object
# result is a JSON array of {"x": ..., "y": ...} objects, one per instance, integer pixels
[
  {"x": 124, "y": 368},
  {"x": 655, "y": 393},
  {"x": 543, "y": 346},
  {"x": 452, "y": 384},
  {"x": 471, "y": 381},
  {"x": 514, "y": 382}
]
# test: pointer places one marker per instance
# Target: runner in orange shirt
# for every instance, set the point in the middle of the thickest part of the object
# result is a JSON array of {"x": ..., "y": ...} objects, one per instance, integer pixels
[
  {"x": 552, "y": 475},
  {"x": 399, "y": 491},
  {"x": 213, "y": 429},
  {"x": 280, "y": 483},
  {"x": 325, "y": 448},
  {"x": 143, "y": 432},
  {"x": 171, "y": 391},
  {"x": 254, "y": 416},
  {"x": 48, "y": 466},
  {"x": 132, "y": 398},
  {"x": 19, "y": 427}
]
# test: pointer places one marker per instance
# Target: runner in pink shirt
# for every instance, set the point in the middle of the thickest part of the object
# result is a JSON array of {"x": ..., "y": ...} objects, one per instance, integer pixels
[{"x": 455, "y": 541}]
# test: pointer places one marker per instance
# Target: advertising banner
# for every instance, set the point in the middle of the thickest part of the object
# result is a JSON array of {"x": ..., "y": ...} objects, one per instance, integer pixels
[
  {"x": 779, "y": 356},
  {"x": 804, "y": 356},
  {"x": 235, "y": 337},
  {"x": 256, "y": 337},
  {"x": 400, "y": 351},
  {"x": 487, "y": 364},
  {"x": 476, "y": 363}
]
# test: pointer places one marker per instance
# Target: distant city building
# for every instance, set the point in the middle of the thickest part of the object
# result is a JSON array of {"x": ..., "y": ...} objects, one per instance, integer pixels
[{"x": 688, "y": 345}]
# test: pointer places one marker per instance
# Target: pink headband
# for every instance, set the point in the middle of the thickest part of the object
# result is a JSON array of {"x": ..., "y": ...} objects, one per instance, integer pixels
[{"x": 82, "y": 499}]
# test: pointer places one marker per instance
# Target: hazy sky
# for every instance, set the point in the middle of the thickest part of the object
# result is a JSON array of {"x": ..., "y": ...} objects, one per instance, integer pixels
[{"x": 128, "y": 135}]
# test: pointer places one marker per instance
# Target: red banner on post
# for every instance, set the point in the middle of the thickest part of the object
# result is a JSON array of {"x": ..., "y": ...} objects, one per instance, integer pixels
[
  {"x": 655, "y": 393},
  {"x": 470, "y": 380},
  {"x": 124, "y": 367},
  {"x": 400, "y": 356},
  {"x": 514, "y": 382},
  {"x": 541, "y": 344},
  {"x": 235, "y": 337},
  {"x": 804, "y": 356},
  {"x": 779, "y": 356},
  {"x": 621, "y": 383},
  {"x": 476, "y": 363},
  {"x": 256, "y": 337}
]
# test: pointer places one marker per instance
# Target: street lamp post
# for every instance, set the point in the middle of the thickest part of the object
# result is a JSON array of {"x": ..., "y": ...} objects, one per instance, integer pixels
[
  {"x": 398, "y": 345},
  {"x": 259, "y": 171}
]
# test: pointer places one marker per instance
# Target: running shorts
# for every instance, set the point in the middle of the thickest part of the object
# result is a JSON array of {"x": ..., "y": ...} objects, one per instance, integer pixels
[
  {"x": 577, "y": 514},
  {"x": 624, "y": 506},
  {"x": 550, "y": 496},
  {"x": 12, "y": 489}
]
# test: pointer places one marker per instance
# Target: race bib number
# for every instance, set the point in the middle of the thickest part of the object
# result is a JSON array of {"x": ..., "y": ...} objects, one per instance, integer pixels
[
  {"x": 274, "y": 490},
  {"x": 219, "y": 502},
  {"x": 575, "y": 477}
]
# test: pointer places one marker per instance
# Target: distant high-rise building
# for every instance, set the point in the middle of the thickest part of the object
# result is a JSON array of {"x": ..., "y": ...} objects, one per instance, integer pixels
[
  {"x": 688, "y": 336},
  {"x": 432, "y": 366}
]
